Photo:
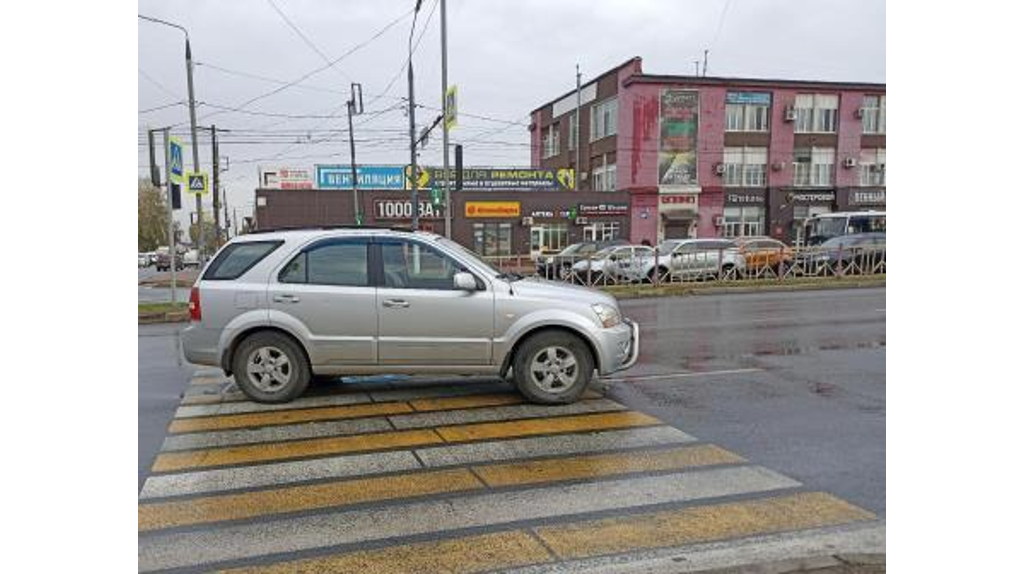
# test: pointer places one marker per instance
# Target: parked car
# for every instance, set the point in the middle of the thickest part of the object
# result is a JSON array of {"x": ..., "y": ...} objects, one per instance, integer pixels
[
  {"x": 857, "y": 252},
  {"x": 191, "y": 258},
  {"x": 163, "y": 260},
  {"x": 616, "y": 264},
  {"x": 687, "y": 259},
  {"x": 275, "y": 309},
  {"x": 559, "y": 265},
  {"x": 762, "y": 252},
  {"x": 143, "y": 260}
]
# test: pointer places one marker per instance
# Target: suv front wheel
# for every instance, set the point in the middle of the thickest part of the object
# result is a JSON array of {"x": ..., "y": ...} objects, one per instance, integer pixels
[
  {"x": 271, "y": 368},
  {"x": 552, "y": 367}
]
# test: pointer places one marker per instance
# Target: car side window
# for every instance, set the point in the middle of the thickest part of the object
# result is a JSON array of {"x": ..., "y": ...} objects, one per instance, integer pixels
[
  {"x": 412, "y": 265},
  {"x": 341, "y": 264}
]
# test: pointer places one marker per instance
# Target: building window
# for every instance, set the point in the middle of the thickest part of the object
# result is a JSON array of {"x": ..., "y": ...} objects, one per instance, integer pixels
[
  {"x": 604, "y": 176},
  {"x": 742, "y": 221},
  {"x": 549, "y": 237},
  {"x": 604, "y": 119},
  {"x": 745, "y": 166},
  {"x": 873, "y": 114},
  {"x": 746, "y": 117},
  {"x": 573, "y": 127},
  {"x": 602, "y": 231},
  {"x": 813, "y": 166},
  {"x": 492, "y": 238},
  {"x": 551, "y": 141},
  {"x": 816, "y": 113},
  {"x": 872, "y": 167}
]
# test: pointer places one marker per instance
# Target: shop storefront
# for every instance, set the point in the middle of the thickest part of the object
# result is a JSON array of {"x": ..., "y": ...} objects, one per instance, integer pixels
[
  {"x": 862, "y": 199},
  {"x": 791, "y": 207},
  {"x": 677, "y": 215},
  {"x": 743, "y": 213}
]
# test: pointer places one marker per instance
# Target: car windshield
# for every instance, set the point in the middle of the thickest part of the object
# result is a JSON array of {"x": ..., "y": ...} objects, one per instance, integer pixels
[
  {"x": 571, "y": 249},
  {"x": 605, "y": 252},
  {"x": 667, "y": 247},
  {"x": 468, "y": 254}
]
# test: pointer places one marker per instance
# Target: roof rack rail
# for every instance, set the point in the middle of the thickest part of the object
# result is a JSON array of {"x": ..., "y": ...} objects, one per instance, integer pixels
[{"x": 329, "y": 227}]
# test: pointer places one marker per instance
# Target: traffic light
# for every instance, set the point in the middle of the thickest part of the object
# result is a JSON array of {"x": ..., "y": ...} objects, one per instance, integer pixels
[
  {"x": 175, "y": 196},
  {"x": 458, "y": 167},
  {"x": 435, "y": 197}
]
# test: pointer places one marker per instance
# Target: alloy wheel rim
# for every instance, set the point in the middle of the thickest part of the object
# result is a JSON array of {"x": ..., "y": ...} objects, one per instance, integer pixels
[
  {"x": 554, "y": 369},
  {"x": 269, "y": 369}
]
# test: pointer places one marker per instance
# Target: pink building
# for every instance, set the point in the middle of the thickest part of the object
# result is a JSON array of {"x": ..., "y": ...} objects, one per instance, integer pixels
[{"x": 719, "y": 157}]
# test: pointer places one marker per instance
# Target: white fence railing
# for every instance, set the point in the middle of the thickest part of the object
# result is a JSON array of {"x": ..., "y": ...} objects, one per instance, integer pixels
[{"x": 702, "y": 265}]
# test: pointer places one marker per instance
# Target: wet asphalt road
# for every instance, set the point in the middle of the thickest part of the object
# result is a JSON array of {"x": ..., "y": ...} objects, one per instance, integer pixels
[{"x": 791, "y": 381}]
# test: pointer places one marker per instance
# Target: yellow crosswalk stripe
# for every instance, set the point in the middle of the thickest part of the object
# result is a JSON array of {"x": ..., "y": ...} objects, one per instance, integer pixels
[
  {"x": 483, "y": 553},
  {"x": 588, "y": 422},
  {"x": 699, "y": 524},
  {"x": 290, "y": 499},
  {"x": 284, "y": 417}
]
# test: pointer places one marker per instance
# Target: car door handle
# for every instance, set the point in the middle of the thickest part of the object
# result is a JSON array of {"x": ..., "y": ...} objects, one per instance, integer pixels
[
  {"x": 393, "y": 303},
  {"x": 286, "y": 298}
]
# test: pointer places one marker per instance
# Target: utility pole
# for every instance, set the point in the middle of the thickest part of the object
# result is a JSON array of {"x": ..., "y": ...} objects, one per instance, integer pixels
[
  {"x": 171, "y": 243},
  {"x": 355, "y": 107},
  {"x": 195, "y": 149},
  {"x": 579, "y": 103},
  {"x": 216, "y": 186},
  {"x": 705, "y": 72},
  {"x": 444, "y": 122},
  {"x": 413, "y": 183}
]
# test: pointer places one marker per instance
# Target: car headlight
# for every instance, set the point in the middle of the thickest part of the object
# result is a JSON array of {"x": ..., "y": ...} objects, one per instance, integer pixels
[{"x": 608, "y": 315}]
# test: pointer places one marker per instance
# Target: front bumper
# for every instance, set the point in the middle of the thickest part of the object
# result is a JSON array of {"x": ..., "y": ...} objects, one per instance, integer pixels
[{"x": 621, "y": 347}]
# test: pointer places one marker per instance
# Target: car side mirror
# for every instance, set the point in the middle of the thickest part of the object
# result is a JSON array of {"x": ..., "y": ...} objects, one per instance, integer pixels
[
  {"x": 465, "y": 281},
  {"x": 613, "y": 258}
]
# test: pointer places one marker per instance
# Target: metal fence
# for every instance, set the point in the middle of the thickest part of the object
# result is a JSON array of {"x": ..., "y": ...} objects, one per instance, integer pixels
[{"x": 723, "y": 265}]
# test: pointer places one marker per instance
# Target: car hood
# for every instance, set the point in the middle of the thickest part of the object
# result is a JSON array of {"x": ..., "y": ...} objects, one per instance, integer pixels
[{"x": 535, "y": 287}]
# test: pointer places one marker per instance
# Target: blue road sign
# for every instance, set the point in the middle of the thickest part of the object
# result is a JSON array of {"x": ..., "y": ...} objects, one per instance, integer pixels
[{"x": 177, "y": 165}]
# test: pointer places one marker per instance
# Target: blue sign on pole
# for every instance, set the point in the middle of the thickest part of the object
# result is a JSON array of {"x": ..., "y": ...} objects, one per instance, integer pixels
[
  {"x": 177, "y": 167},
  {"x": 390, "y": 177}
]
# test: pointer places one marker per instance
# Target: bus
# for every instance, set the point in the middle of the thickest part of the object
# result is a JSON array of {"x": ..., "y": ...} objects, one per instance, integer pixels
[{"x": 825, "y": 226}]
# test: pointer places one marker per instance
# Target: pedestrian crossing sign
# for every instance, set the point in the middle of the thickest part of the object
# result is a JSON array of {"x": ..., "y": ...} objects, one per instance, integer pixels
[
  {"x": 176, "y": 167},
  {"x": 198, "y": 183}
]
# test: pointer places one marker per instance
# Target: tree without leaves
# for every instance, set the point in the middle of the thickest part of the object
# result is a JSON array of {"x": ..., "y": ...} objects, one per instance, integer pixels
[{"x": 152, "y": 217}]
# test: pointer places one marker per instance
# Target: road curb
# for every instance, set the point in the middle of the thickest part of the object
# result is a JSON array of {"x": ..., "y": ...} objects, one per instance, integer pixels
[{"x": 649, "y": 292}]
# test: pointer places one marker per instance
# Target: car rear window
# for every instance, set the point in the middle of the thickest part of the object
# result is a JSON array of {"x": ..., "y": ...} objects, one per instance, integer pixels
[{"x": 236, "y": 259}]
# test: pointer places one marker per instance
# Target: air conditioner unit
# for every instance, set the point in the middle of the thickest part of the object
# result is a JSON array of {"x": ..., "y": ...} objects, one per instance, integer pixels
[
  {"x": 719, "y": 168},
  {"x": 719, "y": 220},
  {"x": 859, "y": 112},
  {"x": 778, "y": 166},
  {"x": 790, "y": 114},
  {"x": 849, "y": 162},
  {"x": 527, "y": 221},
  {"x": 582, "y": 221}
]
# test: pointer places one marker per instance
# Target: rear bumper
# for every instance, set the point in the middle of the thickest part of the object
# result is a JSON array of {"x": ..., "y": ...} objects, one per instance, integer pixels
[{"x": 200, "y": 346}]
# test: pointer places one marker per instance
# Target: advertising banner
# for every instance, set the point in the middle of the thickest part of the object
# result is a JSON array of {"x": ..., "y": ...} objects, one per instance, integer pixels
[
  {"x": 511, "y": 178},
  {"x": 402, "y": 209},
  {"x": 369, "y": 177},
  {"x": 604, "y": 209},
  {"x": 492, "y": 209},
  {"x": 286, "y": 178},
  {"x": 677, "y": 142},
  {"x": 752, "y": 98}
]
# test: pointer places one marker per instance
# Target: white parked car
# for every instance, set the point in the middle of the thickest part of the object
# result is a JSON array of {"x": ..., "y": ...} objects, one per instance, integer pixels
[
  {"x": 614, "y": 264},
  {"x": 683, "y": 259},
  {"x": 191, "y": 258}
]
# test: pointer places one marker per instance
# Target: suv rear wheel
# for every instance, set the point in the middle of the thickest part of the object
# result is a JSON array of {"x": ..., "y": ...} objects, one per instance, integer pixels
[
  {"x": 552, "y": 367},
  {"x": 271, "y": 368}
]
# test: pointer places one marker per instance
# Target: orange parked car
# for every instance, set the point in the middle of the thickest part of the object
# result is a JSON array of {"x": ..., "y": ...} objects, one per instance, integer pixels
[{"x": 761, "y": 252}]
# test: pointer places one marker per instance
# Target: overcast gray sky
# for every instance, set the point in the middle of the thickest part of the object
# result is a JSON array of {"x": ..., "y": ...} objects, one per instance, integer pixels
[{"x": 506, "y": 56}]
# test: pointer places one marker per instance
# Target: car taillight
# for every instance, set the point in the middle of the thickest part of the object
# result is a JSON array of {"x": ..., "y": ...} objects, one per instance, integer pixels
[{"x": 195, "y": 310}]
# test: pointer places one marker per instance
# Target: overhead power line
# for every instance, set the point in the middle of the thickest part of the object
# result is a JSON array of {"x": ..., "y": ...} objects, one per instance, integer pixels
[{"x": 307, "y": 41}]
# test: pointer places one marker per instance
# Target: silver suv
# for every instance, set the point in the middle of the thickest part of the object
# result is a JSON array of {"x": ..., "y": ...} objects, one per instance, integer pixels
[{"x": 276, "y": 309}]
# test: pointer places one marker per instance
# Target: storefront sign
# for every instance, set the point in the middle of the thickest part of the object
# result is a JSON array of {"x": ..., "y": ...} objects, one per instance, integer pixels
[
  {"x": 867, "y": 197},
  {"x": 603, "y": 209},
  {"x": 513, "y": 179},
  {"x": 369, "y": 177},
  {"x": 810, "y": 197},
  {"x": 740, "y": 198},
  {"x": 402, "y": 209},
  {"x": 677, "y": 142},
  {"x": 752, "y": 98},
  {"x": 688, "y": 199},
  {"x": 286, "y": 178},
  {"x": 549, "y": 214},
  {"x": 492, "y": 209}
]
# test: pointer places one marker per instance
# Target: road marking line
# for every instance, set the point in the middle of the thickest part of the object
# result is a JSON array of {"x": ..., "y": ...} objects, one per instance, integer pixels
[
  {"x": 334, "y": 528},
  {"x": 275, "y": 418},
  {"x": 683, "y": 375},
  {"x": 470, "y": 401},
  {"x": 699, "y": 524},
  {"x": 241, "y": 407},
  {"x": 224, "y": 507},
  {"x": 466, "y": 555},
  {"x": 588, "y": 422},
  {"x": 171, "y": 461},
  {"x": 277, "y": 474},
  {"x": 501, "y": 413},
  {"x": 210, "y": 439},
  {"x": 598, "y": 465}
]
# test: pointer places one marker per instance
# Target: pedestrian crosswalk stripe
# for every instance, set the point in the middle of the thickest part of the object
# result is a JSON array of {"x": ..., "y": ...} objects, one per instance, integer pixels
[
  {"x": 699, "y": 524},
  {"x": 286, "y": 417},
  {"x": 210, "y": 439},
  {"x": 219, "y": 543},
  {"x": 171, "y": 461},
  {"x": 481, "y": 553},
  {"x": 587, "y": 539},
  {"x": 225, "y": 507},
  {"x": 290, "y": 499}
]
